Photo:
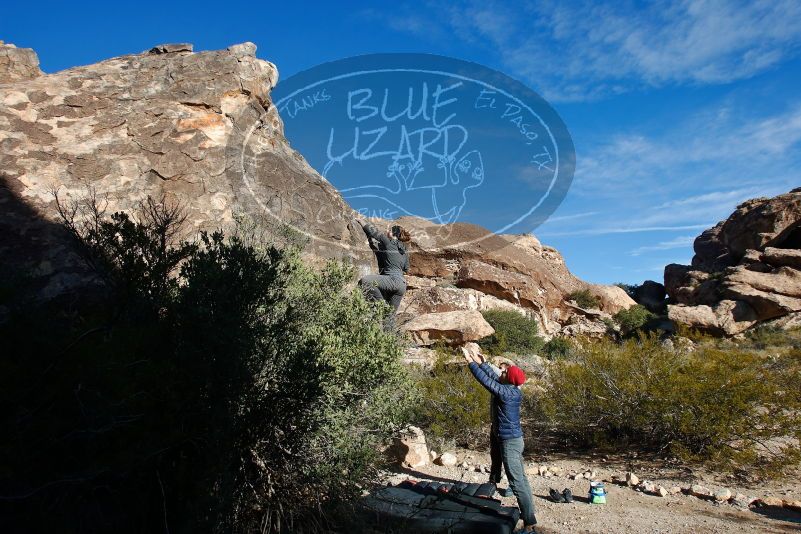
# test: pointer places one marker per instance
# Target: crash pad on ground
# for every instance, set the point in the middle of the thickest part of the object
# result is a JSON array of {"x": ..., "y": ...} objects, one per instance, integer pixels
[{"x": 428, "y": 507}]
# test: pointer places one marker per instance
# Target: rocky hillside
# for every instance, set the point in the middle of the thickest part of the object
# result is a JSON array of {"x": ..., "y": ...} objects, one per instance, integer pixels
[
  {"x": 746, "y": 270},
  {"x": 199, "y": 129}
]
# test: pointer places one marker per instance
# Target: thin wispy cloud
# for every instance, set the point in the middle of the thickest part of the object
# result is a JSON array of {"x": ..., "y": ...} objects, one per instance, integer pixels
[
  {"x": 572, "y": 217},
  {"x": 714, "y": 197},
  {"x": 670, "y": 244},
  {"x": 724, "y": 125},
  {"x": 623, "y": 230},
  {"x": 585, "y": 50},
  {"x": 699, "y": 170}
]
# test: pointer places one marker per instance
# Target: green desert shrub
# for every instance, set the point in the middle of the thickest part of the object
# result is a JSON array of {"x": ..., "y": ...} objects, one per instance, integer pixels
[
  {"x": 454, "y": 407},
  {"x": 584, "y": 299},
  {"x": 633, "y": 318},
  {"x": 215, "y": 386},
  {"x": 513, "y": 333},
  {"x": 765, "y": 337},
  {"x": 732, "y": 408},
  {"x": 557, "y": 347}
]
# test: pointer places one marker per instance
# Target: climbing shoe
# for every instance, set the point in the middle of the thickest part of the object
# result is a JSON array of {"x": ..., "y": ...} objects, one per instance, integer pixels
[
  {"x": 556, "y": 496},
  {"x": 567, "y": 494}
]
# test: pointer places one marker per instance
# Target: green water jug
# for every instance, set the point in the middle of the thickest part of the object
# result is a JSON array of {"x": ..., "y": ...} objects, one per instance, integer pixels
[{"x": 597, "y": 493}]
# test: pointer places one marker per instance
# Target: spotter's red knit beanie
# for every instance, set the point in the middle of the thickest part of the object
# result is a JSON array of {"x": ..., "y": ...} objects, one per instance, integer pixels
[{"x": 515, "y": 375}]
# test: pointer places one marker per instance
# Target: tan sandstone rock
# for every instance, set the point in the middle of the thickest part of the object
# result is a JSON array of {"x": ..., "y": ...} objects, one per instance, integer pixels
[
  {"x": 410, "y": 448},
  {"x": 771, "y": 294},
  {"x": 454, "y": 327},
  {"x": 752, "y": 259},
  {"x": 447, "y": 459},
  {"x": 17, "y": 63},
  {"x": 612, "y": 298},
  {"x": 782, "y": 257},
  {"x": 166, "y": 123},
  {"x": 728, "y": 317}
]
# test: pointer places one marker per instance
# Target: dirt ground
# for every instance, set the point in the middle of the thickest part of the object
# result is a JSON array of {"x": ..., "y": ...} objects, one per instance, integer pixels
[{"x": 628, "y": 510}]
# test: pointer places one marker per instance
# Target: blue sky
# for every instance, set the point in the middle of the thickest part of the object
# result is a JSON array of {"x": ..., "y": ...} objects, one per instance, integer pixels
[{"x": 678, "y": 110}]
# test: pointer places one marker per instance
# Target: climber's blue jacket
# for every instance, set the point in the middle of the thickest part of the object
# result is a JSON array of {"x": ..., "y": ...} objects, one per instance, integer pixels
[{"x": 506, "y": 400}]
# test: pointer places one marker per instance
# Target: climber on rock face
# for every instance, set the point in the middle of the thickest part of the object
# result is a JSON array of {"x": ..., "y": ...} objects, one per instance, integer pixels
[{"x": 393, "y": 261}]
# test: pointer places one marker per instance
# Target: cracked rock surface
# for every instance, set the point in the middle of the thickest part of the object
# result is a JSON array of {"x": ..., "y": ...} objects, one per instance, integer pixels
[{"x": 195, "y": 128}]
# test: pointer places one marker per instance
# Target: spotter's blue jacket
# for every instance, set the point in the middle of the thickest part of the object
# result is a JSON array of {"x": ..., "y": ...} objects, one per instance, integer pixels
[{"x": 506, "y": 400}]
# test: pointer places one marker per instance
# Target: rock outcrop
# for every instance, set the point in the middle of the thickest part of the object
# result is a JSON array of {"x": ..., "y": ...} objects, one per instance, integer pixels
[
  {"x": 746, "y": 269},
  {"x": 17, "y": 63},
  {"x": 451, "y": 328},
  {"x": 651, "y": 295},
  {"x": 472, "y": 269},
  {"x": 199, "y": 129}
]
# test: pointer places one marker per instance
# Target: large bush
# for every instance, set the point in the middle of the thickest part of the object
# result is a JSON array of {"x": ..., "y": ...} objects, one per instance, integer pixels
[
  {"x": 633, "y": 318},
  {"x": 513, "y": 333},
  {"x": 733, "y": 408},
  {"x": 217, "y": 386}
]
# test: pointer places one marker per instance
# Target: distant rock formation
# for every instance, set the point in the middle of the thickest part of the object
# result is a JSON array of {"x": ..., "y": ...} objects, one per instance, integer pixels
[
  {"x": 651, "y": 295},
  {"x": 172, "y": 123},
  {"x": 746, "y": 269}
]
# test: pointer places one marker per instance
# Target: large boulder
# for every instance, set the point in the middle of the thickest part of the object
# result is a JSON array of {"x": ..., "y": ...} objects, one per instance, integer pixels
[
  {"x": 651, "y": 295},
  {"x": 728, "y": 317},
  {"x": 772, "y": 294},
  {"x": 167, "y": 123},
  {"x": 685, "y": 285},
  {"x": 452, "y": 328},
  {"x": 436, "y": 299},
  {"x": 711, "y": 254},
  {"x": 611, "y": 299},
  {"x": 746, "y": 269},
  {"x": 756, "y": 224},
  {"x": 782, "y": 257}
]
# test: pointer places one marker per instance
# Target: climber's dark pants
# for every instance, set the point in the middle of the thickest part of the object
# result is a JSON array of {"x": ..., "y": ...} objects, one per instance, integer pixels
[
  {"x": 384, "y": 287},
  {"x": 496, "y": 458}
]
